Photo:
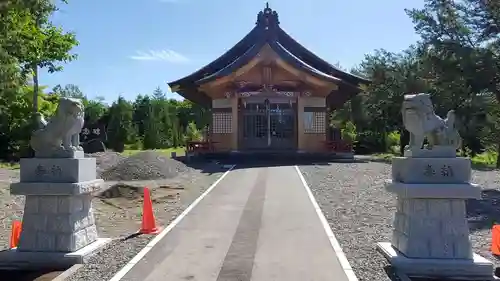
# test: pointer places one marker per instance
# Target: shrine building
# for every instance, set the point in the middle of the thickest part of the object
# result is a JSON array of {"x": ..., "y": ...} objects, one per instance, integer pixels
[{"x": 269, "y": 93}]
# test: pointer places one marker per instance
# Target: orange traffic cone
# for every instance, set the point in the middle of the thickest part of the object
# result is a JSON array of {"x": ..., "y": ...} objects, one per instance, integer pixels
[
  {"x": 15, "y": 234},
  {"x": 495, "y": 240},
  {"x": 148, "y": 217}
]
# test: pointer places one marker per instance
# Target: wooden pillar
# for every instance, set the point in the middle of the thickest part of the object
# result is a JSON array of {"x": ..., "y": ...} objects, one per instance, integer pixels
[
  {"x": 234, "y": 124},
  {"x": 300, "y": 123}
]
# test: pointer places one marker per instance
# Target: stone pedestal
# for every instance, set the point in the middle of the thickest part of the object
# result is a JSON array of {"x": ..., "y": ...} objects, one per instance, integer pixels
[
  {"x": 58, "y": 225},
  {"x": 430, "y": 230}
]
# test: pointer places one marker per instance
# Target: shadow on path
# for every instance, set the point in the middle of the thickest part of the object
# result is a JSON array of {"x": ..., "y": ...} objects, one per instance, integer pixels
[
  {"x": 257, "y": 160},
  {"x": 10, "y": 275}
]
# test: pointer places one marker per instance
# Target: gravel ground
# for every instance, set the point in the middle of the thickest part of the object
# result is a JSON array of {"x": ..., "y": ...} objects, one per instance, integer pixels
[
  {"x": 11, "y": 207},
  {"x": 360, "y": 211}
]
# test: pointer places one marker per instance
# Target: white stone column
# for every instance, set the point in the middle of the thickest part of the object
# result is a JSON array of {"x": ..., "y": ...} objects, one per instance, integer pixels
[{"x": 430, "y": 229}]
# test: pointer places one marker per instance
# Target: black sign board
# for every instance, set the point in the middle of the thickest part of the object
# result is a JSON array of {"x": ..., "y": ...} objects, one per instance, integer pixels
[
  {"x": 92, "y": 137},
  {"x": 93, "y": 132}
]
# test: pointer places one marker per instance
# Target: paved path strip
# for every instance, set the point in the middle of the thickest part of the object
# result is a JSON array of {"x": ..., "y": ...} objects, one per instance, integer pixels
[{"x": 258, "y": 224}]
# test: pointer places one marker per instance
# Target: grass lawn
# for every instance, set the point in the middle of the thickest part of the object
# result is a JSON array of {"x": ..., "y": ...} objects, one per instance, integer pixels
[
  {"x": 8, "y": 165},
  {"x": 484, "y": 160},
  {"x": 179, "y": 150}
]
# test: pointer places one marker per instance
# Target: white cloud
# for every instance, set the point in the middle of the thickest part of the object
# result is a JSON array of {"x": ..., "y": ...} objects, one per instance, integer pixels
[{"x": 162, "y": 55}]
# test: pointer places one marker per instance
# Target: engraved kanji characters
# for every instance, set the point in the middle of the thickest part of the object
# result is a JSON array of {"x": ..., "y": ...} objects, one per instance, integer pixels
[
  {"x": 55, "y": 170},
  {"x": 447, "y": 171},
  {"x": 429, "y": 171}
]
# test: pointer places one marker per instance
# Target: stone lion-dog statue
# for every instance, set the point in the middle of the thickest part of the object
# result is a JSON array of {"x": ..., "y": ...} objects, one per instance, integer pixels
[
  {"x": 421, "y": 121},
  {"x": 60, "y": 136}
]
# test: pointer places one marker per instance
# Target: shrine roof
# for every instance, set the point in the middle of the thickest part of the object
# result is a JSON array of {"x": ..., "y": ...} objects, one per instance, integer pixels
[{"x": 266, "y": 31}]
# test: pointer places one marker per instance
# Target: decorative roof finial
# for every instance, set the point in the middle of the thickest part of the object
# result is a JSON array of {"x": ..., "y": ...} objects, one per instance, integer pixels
[{"x": 267, "y": 17}]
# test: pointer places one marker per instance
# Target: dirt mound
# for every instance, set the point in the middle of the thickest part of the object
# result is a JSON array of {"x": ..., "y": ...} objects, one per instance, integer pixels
[
  {"x": 146, "y": 165},
  {"x": 106, "y": 160}
]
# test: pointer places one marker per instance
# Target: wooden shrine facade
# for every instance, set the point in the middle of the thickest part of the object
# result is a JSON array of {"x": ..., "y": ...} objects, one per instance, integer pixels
[{"x": 269, "y": 93}]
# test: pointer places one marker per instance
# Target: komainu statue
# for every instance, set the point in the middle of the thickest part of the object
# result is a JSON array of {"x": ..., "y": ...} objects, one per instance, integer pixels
[
  {"x": 60, "y": 136},
  {"x": 421, "y": 121}
]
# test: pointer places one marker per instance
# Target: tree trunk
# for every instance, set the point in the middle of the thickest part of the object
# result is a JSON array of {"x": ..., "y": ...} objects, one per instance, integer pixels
[
  {"x": 34, "y": 122},
  {"x": 35, "y": 89}
]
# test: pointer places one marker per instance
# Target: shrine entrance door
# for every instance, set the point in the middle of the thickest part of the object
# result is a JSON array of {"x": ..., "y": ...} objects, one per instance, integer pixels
[{"x": 268, "y": 124}]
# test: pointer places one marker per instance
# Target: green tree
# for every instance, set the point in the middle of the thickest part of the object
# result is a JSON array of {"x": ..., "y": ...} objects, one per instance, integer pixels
[
  {"x": 141, "y": 110},
  {"x": 393, "y": 75},
  {"x": 44, "y": 45},
  {"x": 158, "y": 94},
  {"x": 15, "y": 122},
  {"x": 484, "y": 18},
  {"x": 459, "y": 39},
  {"x": 95, "y": 109},
  {"x": 152, "y": 128},
  {"x": 69, "y": 90},
  {"x": 120, "y": 127},
  {"x": 18, "y": 39}
]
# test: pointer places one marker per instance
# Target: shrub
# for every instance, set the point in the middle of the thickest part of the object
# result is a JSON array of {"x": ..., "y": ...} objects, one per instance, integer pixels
[
  {"x": 368, "y": 142},
  {"x": 392, "y": 141},
  {"x": 192, "y": 133},
  {"x": 487, "y": 158},
  {"x": 349, "y": 132},
  {"x": 135, "y": 146}
]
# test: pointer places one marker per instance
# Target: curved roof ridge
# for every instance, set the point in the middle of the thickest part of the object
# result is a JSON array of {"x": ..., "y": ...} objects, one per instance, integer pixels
[
  {"x": 233, "y": 53},
  {"x": 296, "y": 61},
  {"x": 236, "y": 64},
  {"x": 284, "y": 36}
]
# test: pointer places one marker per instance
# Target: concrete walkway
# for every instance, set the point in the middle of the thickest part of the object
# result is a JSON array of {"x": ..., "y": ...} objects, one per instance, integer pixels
[{"x": 257, "y": 224}]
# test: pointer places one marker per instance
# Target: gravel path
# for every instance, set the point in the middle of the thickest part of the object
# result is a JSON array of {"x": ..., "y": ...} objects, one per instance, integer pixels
[{"x": 360, "y": 211}]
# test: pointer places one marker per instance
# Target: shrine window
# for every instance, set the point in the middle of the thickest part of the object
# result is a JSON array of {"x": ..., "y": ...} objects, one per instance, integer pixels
[
  {"x": 222, "y": 122},
  {"x": 314, "y": 122}
]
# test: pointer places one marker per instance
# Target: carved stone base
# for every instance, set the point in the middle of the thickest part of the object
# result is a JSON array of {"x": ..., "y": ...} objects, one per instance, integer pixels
[
  {"x": 432, "y": 229},
  {"x": 475, "y": 268},
  {"x": 57, "y": 223},
  {"x": 58, "y": 214}
]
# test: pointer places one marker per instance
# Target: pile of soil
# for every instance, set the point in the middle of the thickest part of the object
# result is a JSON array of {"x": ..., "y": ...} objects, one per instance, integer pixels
[
  {"x": 106, "y": 160},
  {"x": 146, "y": 165}
]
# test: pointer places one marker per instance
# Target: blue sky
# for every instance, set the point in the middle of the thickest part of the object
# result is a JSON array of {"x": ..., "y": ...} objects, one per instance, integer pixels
[{"x": 130, "y": 47}]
